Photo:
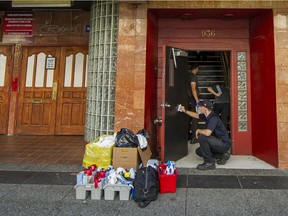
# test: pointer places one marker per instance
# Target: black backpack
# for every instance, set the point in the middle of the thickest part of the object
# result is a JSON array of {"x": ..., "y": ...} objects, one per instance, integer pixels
[{"x": 146, "y": 186}]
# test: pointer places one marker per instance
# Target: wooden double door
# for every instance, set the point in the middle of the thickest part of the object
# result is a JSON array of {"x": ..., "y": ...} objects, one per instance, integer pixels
[
  {"x": 5, "y": 77},
  {"x": 52, "y": 94}
]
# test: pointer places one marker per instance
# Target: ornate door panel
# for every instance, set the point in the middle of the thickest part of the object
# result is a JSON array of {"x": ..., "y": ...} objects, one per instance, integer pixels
[
  {"x": 71, "y": 102},
  {"x": 5, "y": 60},
  {"x": 52, "y": 98},
  {"x": 38, "y": 90}
]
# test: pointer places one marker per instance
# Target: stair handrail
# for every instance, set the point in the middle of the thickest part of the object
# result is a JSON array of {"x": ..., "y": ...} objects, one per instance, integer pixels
[{"x": 226, "y": 67}]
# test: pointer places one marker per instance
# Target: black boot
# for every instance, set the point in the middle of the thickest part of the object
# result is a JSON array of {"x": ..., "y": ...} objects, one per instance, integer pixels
[
  {"x": 206, "y": 166},
  {"x": 223, "y": 159}
]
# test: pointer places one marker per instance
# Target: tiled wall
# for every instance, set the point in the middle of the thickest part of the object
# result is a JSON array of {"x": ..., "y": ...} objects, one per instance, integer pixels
[
  {"x": 129, "y": 109},
  {"x": 131, "y": 62},
  {"x": 281, "y": 61}
]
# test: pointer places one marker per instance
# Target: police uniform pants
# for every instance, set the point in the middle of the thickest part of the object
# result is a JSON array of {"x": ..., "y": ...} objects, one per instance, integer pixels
[{"x": 211, "y": 147}]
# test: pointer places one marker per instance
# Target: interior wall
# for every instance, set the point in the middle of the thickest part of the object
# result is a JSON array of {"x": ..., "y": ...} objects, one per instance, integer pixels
[{"x": 263, "y": 88}]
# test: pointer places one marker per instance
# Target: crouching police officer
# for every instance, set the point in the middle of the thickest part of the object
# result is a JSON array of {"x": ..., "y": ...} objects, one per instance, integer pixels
[{"x": 214, "y": 140}]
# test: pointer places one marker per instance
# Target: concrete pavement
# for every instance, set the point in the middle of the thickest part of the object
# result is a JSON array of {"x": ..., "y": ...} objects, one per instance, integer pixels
[{"x": 41, "y": 189}]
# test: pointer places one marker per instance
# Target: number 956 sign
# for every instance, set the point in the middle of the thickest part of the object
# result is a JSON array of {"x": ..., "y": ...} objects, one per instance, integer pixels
[{"x": 208, "y": 33}]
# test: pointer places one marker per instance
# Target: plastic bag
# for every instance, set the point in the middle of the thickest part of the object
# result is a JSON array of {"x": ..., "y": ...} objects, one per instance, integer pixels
[
  {"x": 126, "y": 138},
  {"x": 143, "y": 137},
  {"x": 99, "y": 152},
  {"x": 144, "y": 133},
  {"x": 142, "y": 141}
]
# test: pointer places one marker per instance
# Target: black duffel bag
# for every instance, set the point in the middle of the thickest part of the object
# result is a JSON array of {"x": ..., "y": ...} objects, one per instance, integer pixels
[{"x": 146, "y": 186}]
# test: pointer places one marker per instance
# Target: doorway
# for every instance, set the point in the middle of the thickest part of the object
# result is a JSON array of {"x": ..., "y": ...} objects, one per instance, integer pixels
[
  {"x": 243, "y": 37},
  {"x": 214, "y": 71},
  {"x": 52, "y": 95}
]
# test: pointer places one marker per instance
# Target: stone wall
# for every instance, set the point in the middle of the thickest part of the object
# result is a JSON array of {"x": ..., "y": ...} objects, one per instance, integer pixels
[
  {"x": 130, "y": 91},
  {"x": 281, "y": 63},
  {"x": 131, "y": 62}
]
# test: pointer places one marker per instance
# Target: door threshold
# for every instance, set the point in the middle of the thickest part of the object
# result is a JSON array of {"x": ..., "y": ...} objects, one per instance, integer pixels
[{"x": 235, "y": 161}]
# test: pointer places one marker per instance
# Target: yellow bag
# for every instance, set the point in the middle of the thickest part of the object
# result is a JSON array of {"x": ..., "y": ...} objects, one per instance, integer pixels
[{"x": 99, "y": 152}]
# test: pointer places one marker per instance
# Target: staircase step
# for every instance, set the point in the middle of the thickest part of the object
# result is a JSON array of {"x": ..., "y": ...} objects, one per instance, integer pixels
[{"x": 210, "y": 73}]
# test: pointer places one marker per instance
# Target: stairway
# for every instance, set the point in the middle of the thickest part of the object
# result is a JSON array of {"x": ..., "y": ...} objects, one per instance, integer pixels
[{"x": 211, "y": 72}]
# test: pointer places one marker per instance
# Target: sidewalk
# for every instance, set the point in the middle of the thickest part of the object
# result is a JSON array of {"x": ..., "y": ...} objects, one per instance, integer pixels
[{"x": 41, "y": 189}]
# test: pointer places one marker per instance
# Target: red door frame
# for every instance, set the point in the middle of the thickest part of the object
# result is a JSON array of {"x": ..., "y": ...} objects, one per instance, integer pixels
[
  {"x": 242, "y": 141},
  {"x": 263, "y": 84},
  {"x": 150, "y": 112}
]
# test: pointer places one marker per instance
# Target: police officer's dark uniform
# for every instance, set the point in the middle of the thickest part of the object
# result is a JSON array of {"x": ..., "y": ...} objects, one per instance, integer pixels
[{"x": 216, "y": 145}]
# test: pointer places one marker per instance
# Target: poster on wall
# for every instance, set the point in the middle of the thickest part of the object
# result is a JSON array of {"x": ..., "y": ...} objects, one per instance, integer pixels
[
  {"x": 60, "y": 23},
  {"x": 50, "y": 63},
  {"x": 18, "y": 26}
]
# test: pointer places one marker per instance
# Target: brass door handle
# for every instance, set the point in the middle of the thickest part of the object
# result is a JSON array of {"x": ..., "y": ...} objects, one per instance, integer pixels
[{"x": 54, "y": 91}]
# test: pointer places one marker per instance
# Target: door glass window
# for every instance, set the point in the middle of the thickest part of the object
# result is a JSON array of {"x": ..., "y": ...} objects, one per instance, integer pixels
[
  {"x": 75, "y": 70},
  {"x": 29, "y": 73},
  {"x": 79, "y": 67},
  {"x": 2, "y": 69},
  {"x": 40, "y": 70},
  {"x": 68, "y": 71},
  {"x": 49, "y": 76},
  {"x": 49, "y": 82},
  {"x": 42, "y": 79}
]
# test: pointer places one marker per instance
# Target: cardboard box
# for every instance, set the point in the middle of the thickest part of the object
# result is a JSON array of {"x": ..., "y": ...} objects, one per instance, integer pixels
[
  {"x": 145, "y": 155},
  {"x": 125, "y": 157}
]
